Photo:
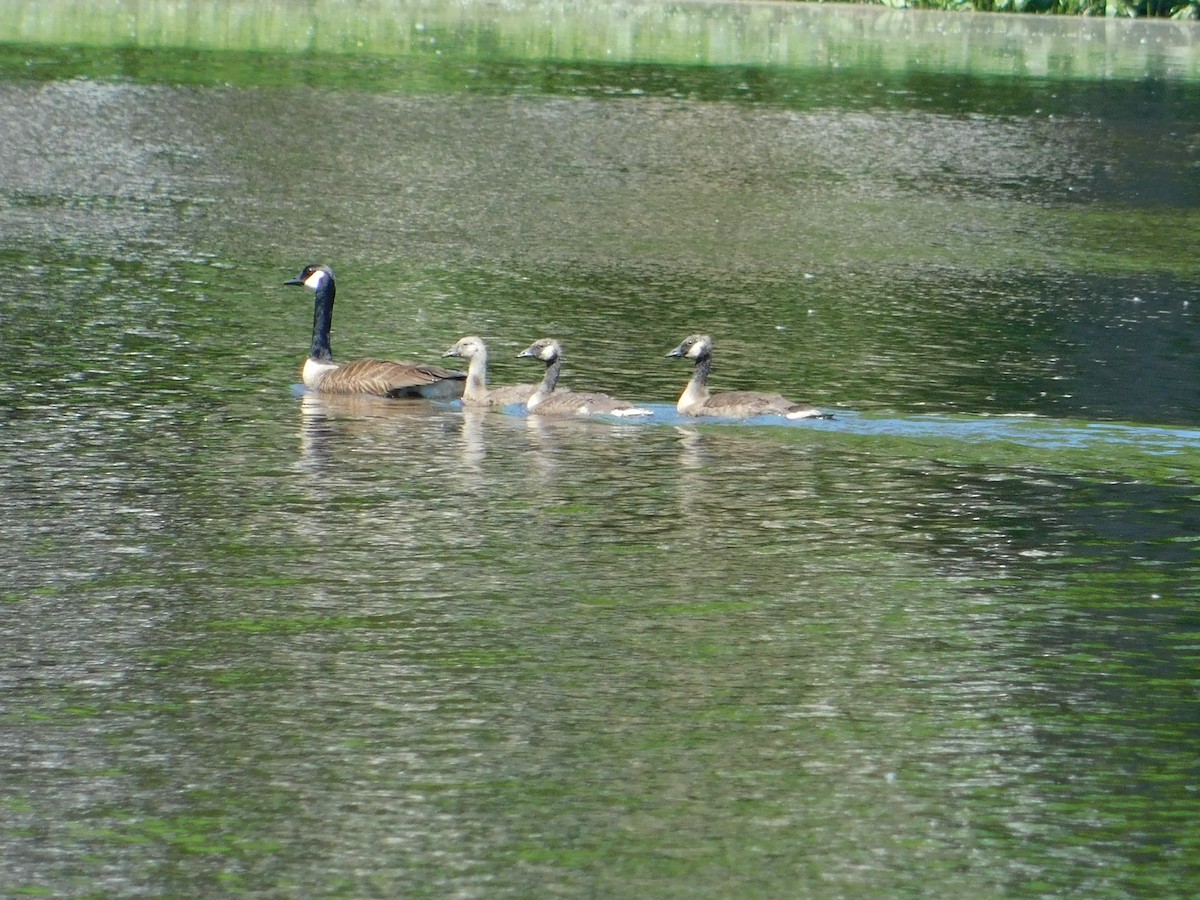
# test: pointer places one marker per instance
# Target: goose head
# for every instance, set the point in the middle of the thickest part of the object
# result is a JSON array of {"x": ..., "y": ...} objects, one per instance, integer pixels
[
  {"x": 468, "y": 348},
  {"x": 313, "y": 276},
  {"x": 547, "y": 350},
  {"x": 696, "y": 347}
]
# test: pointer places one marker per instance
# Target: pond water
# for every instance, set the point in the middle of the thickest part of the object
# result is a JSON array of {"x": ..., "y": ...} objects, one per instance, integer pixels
[{"x": 255, "y": 641}]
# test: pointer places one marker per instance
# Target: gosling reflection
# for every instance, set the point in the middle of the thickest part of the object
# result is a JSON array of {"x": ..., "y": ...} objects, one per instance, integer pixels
[
  {"x": 694, "y": 451},
  {"x": 567, "y": 447},
  {"x": 473, "y": 448}
]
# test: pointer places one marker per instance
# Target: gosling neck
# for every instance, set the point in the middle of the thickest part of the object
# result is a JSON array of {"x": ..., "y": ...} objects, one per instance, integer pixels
[
  {"x": 549, "y": 380},
  {"x": 476, "y": 388},
  {"x": 698, "y": 387},
  {"x": 322, "y": 321}
]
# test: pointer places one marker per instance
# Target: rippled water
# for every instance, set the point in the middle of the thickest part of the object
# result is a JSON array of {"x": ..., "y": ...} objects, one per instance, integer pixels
[{"x": 259, "y": 642}]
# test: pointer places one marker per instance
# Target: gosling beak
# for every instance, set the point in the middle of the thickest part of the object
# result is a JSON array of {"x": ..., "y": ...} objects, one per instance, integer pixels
[
  {"x": 450, "y": 352},
  {"x": 525, "y": 354},
  {"x": 678, "y": 351}
]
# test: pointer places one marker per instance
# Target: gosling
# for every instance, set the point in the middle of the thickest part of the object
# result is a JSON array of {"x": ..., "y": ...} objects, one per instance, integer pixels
[
  {"x": 697, "y": 400},
  {"x": 477, "y": 392},
  {"x": 546, "y": 401}
]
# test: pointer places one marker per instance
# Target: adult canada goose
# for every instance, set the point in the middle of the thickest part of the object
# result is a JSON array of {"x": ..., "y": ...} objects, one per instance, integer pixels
[
  {"x": 546, "y": 401},
  {"x": 477, "y": 392},
  {"x": 380, "y": 377},
  {"x": 696, "y": 399}
]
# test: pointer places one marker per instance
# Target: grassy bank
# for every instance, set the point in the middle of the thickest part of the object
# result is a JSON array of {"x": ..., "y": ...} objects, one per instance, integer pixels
[{"x": 431, "y": 34}]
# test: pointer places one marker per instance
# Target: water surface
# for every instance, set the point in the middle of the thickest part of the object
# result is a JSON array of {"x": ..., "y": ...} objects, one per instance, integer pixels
[{"x": 255, "y": 642}]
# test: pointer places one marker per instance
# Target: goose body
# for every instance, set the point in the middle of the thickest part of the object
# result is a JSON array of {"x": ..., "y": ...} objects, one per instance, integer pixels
[
  {"x": 697, "y": 400},
  {"x": 546, "y": 401},
  {"x": 477, "y": 392},
  {"x": 377, "y": 377}
]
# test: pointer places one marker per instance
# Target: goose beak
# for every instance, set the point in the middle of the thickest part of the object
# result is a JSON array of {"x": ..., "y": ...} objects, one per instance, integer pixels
[
  {"x": 678, "y": 351},
  {"x": 299, "y": 281},
  {"x": 525, "y": 354}
]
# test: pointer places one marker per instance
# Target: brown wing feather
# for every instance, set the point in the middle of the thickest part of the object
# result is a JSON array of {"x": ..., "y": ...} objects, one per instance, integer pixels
[
  {"x": 507, "y": 395},
  {"x": 392, "y": 378},
  {"x": 564, "y": 402},
  {"x": 747, "y": 404},
  {"x": 753, "y": 402}
]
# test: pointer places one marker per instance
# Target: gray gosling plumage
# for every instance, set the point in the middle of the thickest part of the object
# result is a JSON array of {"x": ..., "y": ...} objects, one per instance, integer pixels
[
  {"x": 377, "y": 377},
  {"x": 697, "y": 400},
  {"x": 477, "y": 392},
  {"x": 546, "y": 401}
]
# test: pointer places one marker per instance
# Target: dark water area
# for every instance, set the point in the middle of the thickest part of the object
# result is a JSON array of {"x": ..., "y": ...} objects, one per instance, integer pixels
[{"x": 254, "y": 641}]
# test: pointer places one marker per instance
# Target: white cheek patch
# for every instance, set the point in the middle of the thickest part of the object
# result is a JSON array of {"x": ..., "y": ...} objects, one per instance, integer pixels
[{"x": 316, "y": 279}]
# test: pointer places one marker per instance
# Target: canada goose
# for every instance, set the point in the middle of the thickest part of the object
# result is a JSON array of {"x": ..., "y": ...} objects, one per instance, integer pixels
[
  {"x": 545, "y": 401},
  {"x": 477, "y": 392},
  {"x": 380, "y": 377},
  {"x": 696, "y": 399}
]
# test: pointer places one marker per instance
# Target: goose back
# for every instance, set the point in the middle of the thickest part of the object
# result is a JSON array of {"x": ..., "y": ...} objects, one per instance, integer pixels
[
  {"x": 506, "y": 395},
  {"x": 585, "y": 403},
  {"x": 384, "y": 378},
  {"x": 746, "y": 405}
]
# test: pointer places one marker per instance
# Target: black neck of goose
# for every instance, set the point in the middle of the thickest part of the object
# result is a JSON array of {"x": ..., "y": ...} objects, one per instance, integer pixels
[
  {"x": 550, "y": 379},
  {"x": 322, "y": 322},
  {"x": 700, "y": 373}
]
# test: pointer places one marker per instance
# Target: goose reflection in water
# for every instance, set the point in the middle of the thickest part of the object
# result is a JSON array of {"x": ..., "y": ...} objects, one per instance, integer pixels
[
  {"x": 345, "y": 436},
  {"x": 329, "y": 422}
]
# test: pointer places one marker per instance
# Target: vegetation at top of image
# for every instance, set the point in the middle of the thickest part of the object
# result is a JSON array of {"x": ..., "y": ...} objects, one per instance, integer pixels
[{"x": 1173, "y": 9}]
